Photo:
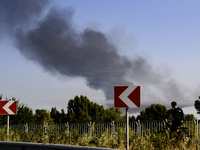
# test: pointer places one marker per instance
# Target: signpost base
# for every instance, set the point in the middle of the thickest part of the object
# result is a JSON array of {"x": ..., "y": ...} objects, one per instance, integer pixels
[{"x": 127, "y": 129}]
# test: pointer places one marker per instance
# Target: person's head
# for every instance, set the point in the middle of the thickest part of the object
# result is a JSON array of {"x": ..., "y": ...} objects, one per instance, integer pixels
[{"x": 174, "y": 104}]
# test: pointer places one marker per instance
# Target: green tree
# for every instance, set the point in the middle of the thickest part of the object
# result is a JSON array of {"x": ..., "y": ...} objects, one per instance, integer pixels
[
  {"x": 57, "y": 116},
  {"x": 96, "y": 112},
  {"x": 197, "y": 105},
  {"x": 24, "y": 115},
  {"x": 63, "y": 116},
  {"x": 189, "y": 116},
  {"x": 42, "y": 116},
  {"x": 3, "y": 119},
  {"x": 153, "y": 112},
  {"x": 78, "y": 109},
  {"x": 132, "y": 118},
  {"x": 113, "y": 114}
]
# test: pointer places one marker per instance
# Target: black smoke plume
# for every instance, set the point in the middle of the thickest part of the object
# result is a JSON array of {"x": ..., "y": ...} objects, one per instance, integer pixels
[
  {"x": 58, "y": 47},
  {"x": 19, "y": 13}
]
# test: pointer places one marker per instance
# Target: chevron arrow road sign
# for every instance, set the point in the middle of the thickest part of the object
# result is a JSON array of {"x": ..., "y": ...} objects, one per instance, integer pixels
[
  {"x": 8, "y": 107},
  {"x": 127, "y": 96}
]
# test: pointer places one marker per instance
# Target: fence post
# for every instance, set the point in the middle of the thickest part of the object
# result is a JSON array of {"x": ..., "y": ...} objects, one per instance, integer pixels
[
  {"x": 90, "y": 129},
  {"x": 194, "y": 134},
  {"x": 45, "y": 130},
  {"x": 138, "y": 128},
  {"x": 113, "y": 130},
  {"x": 197, "y": 134},
  {"x": 67, "y": 126},
  {"x": 26, "y": 127},
  {"x": 197, "y": 129}
]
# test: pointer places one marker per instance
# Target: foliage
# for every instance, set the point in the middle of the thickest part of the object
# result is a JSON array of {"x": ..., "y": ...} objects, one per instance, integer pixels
[
  {"x": 132, "y": 118},
  {"x": 3, "y": 119},
  {"x": 24, "y": 115},
  {"x": 80, "y": 109},
  {"x": 96, "y": 112},
  {"x": 150, "y": 142},
  {"x": 113, "y": 114},
  {"x": 42, "y": 116},
  {"x": 153, "y": 112},
  {"x": 57, "y": 116},
  {"x": 197, "y": 105},
  {"x": 189, "y": 116}
]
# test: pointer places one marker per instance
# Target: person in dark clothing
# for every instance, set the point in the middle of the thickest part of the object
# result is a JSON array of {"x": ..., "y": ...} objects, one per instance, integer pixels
[{"x": 177, "y": 117}]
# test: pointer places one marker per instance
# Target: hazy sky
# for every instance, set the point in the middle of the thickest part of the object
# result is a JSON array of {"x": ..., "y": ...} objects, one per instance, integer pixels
[{"x": 52, "y": 51}]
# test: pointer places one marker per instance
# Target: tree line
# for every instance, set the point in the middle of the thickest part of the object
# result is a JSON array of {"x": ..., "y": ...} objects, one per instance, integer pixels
[{"x": 81, "y": 109}]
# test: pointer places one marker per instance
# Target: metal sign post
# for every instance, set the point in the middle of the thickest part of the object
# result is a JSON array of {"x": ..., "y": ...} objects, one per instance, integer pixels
[
  {"x": 7, "y": 138},
  {"x": 127, "y": 129}
]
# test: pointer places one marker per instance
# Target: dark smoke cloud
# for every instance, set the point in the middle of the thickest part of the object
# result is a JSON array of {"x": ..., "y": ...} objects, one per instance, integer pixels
[
  {"x": 18, "y": 13},
  {"x": 57, "y": 46},
  {"x": 53, "y": 42}
]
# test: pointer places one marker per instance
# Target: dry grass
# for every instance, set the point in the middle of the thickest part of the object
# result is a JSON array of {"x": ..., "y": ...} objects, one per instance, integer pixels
[{"x": 147, "y": 142}]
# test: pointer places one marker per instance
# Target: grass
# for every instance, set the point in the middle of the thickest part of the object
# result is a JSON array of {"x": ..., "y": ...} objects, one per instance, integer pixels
[{"x": 147, "y": 142}]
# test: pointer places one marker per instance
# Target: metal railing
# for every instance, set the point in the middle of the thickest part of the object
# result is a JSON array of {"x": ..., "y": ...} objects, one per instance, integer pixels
[
  {"x": 98, "y": 129},
  {"x": 41, "y": 146}
]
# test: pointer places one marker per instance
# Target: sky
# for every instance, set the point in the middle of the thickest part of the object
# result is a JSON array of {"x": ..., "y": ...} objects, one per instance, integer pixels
[{"x": 53, "y": 50}]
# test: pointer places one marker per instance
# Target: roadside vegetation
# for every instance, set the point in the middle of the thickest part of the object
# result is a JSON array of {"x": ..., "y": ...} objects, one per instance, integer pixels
[{"x": 150, "y": 142}]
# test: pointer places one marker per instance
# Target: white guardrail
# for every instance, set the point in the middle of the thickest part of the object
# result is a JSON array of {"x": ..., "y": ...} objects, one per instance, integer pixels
[{"x": 42, "y": 146}]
